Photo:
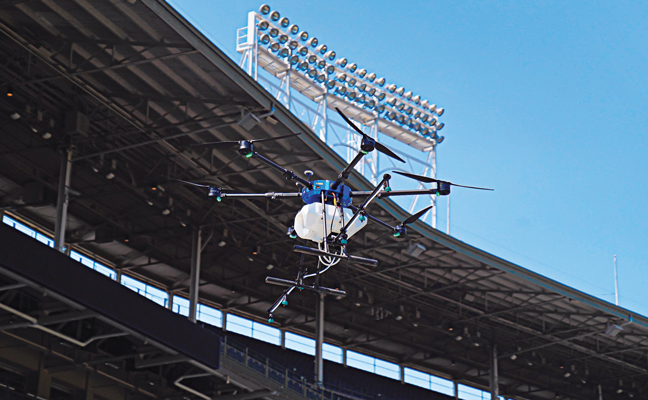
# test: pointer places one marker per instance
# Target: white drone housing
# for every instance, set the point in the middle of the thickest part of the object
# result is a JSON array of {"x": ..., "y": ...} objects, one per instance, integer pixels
[{"x": 309, "y": 222}]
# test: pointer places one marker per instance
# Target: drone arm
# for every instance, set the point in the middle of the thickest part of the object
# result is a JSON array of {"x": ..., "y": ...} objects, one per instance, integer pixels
[
  {"x": 347, "y": 171},
  {"x": 371, "y": 217},
  {"x": 270, "y": 195},
  {"x": 286, "y": 172},
  {"x": 362, "y": 207},
  {"x": 398, "y": 193}
]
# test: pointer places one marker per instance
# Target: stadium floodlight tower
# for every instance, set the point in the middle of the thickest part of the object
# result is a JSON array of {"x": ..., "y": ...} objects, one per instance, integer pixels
[{"x": 300, "y": 62}]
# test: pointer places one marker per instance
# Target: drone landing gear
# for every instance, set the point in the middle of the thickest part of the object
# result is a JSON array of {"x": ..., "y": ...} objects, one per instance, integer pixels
[
  {"x": 320, "y": 253},
  {"x": 299, "y": 283}
]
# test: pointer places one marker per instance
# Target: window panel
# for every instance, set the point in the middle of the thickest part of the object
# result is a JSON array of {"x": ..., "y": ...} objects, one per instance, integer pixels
[
  {"x": 266, "y": 333},
  {"x": 360, "y": 361},
  {"x": 332, "y": 353},
  {"x": 210, "y": 315},
  {"x": 180, "y": 306},
  {"x": 300, "y": 343},
  {"x": 240, "y": 325}
]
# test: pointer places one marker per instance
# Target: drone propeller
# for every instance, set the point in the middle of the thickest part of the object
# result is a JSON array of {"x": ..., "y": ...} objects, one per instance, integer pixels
[
  {"x": 380, "y": 147},
  {"x": 232, "y": 143},
  {"x": 400, "y": 230},
  {"x": 426, "y": 179},
  {"x": 191, "y": 183},
  {"x": 416, "y": 216}
]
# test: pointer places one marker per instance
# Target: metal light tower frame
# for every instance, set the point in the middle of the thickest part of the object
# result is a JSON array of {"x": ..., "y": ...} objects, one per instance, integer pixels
[{"x": 301, "y": 74}]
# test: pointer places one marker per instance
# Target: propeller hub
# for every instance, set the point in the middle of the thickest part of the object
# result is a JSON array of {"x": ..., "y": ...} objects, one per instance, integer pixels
[
  {"x": 245, "y": 148},
  {"x": 400, "y": 231},
  {"x": 443, "y": 188},
  {"x": 368, "y": 144}
]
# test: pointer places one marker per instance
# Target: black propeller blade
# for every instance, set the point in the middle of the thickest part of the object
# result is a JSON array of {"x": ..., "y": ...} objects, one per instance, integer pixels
[
  {"x": 232, "y": 143},
  {"x": 426, "y": 179},
  {"x": 380, "y": 147},
  {"x": 416, "y": 216},
  {"x": 191, "y": 183}
]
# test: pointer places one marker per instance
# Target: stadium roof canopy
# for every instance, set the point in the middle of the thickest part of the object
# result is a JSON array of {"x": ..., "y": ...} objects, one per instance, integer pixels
[{"x": 151, "y": 86}]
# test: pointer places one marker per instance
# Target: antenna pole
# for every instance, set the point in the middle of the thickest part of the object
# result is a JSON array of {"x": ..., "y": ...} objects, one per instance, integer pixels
[{"x": 616, "y": 282}]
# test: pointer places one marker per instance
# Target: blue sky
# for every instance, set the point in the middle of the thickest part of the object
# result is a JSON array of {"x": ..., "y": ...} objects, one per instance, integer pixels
[{"x": 547, "y": 102}]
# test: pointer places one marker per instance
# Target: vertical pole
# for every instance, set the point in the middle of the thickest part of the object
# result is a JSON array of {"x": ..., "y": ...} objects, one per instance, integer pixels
[
  {"x": 194, "y": 282},
  {"x": 251, "y": 42},
  {"x": 494, "y": 377},
  {"x": 456, "y": 389},
  {"x": 616, "y": 283},
  {"x": 448, "y": 217},
  {"x": 170, "y": 302},
  {"x": 433, "y": 173},
  {"x": 319, "y": 326},
  {"x": 600, "y": 392},
  {"x": 63, "y": 199}
]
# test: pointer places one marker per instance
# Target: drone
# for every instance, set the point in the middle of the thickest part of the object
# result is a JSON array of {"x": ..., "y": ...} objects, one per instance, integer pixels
[{"x": 328, "y": 217}]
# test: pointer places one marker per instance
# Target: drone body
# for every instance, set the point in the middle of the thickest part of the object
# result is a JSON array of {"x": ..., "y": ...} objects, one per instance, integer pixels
[{"x": 325, "y": 212}]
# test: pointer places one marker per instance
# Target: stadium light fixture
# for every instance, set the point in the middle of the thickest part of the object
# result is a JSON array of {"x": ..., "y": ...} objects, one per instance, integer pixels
[
  {"x": 312, "y": 42},
  {"x": 363, "y": 88}
]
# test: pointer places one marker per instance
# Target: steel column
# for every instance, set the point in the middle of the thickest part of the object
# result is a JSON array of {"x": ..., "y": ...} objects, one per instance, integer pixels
[
  {"x": 63, "y": 199},
  {"x": 319, "y": 337},
  {"x": 194, "y": 281},
  {"x": 494, "y": 376}
]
